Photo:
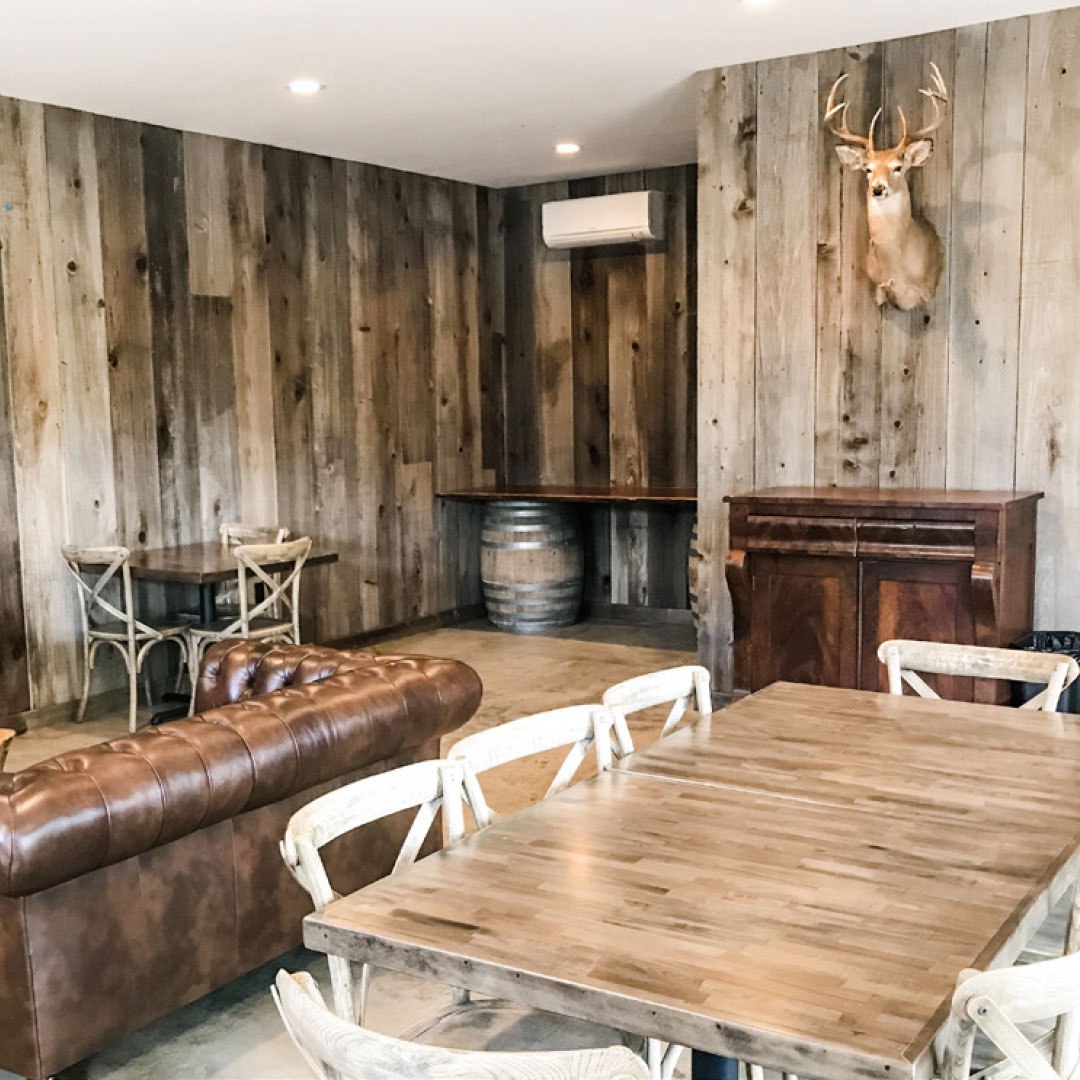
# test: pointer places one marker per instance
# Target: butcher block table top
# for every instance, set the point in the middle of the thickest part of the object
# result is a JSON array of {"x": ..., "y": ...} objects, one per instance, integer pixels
[
  {"x": 204, "y": 564},
  {"x": 796, "y": 882}
]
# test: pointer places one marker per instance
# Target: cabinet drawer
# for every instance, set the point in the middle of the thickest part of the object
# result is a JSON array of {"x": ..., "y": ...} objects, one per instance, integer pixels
[
  {"x": 800, "y": 535},
  {"x": 917, "y": 539}
]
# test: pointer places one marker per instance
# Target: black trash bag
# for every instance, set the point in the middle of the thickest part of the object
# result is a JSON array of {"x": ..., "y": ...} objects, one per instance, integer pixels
[{"x": 1065, "y": 642}]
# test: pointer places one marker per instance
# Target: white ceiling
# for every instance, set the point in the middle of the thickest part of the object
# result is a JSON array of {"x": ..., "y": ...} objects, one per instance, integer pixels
[{"x": 476, "y": 90}]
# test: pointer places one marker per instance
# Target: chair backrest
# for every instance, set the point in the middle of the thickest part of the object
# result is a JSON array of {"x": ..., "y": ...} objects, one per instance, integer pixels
[
  {"x": 234, "y": 532},
  {"x": 905, "y": 659},
  {"x": 679, "y": 685},
  {"x": 7, "y": 736},
  {"x": 576, "y": 726},
  {"x": 426, "y": 786},
  {"x": 106, "y": 563},
  {"x": 282, "y": 588},
  {"x": 997, "y": 1002},
  {"x": 338, "y": 1050}
]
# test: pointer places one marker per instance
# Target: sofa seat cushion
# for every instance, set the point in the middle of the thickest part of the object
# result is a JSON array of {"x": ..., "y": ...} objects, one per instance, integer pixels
[{"x": 327, "y": 713}]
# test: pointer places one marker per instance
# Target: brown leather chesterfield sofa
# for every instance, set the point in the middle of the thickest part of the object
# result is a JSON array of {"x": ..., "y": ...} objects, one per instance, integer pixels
[{"x": 138, "y": 875}]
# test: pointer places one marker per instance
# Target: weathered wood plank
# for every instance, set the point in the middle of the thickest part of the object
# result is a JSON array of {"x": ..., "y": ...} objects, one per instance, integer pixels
[
  {"x": 209, "y": 236},
  {"x": 1048, "y": 437},
  {"x": 26, "y": 259},
  {"x": 252, "y": 354},
  {"x": 291, "y": 379},
  {"x": 848, "y": 394},
  {"x": 14, "y": 673},
  {"x": 491, "y": 286},
  {"x": 727, "y": 229},
  {"x": 367, "y": 510},
  {"x": 914, "y": 344},
  {"x": 550, "y": 297},
  {"x": 984, "y": 285},
  {"x": 129, "y": 332},
  {"x": 328, "y": 367},
  {"x": 166, "y": 236},
  {"x": 214, "y": 400},
  {"x": 80, "y": 324},
  {"x": 788, "y": 133}
]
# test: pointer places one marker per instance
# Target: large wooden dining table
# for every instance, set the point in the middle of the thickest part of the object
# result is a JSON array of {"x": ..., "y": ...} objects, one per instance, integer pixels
[{"x": 796, "y": 881}]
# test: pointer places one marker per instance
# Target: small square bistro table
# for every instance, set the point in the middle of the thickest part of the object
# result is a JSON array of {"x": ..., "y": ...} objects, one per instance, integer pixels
[
  {"x": 206, "y": 565},
  {"x": 795, "y": 882}
]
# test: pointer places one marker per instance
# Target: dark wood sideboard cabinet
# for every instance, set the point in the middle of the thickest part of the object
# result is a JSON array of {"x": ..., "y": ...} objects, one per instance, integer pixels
[{"x": 819, "y": 577}]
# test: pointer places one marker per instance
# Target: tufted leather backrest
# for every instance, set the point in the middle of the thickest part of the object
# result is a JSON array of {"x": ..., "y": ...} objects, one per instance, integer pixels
[{"x": 276, "y": 720}]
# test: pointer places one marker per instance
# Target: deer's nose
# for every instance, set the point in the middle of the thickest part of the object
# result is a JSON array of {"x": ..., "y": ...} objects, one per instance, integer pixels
[{"x": 879, "y": 190}]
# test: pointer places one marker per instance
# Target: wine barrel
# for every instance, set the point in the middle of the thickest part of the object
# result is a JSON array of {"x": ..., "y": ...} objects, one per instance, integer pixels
[
  {"x": 693, "y": 564},
  {"x": 531, "y": 565}
]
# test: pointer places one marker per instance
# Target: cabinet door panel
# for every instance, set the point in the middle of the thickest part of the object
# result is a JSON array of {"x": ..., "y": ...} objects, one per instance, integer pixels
[
  {"x": 805, "y": 622},
  {"x": 927, "y": 601}
]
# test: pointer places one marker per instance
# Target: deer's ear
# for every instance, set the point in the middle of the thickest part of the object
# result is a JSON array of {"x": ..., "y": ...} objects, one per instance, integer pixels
[
  {"x": 918, "y": 153},
  {"x": 854, "y": 157}
]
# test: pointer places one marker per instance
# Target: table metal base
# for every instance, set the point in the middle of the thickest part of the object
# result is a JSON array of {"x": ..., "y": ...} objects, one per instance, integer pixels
[{"x": 711, "y": 1067}]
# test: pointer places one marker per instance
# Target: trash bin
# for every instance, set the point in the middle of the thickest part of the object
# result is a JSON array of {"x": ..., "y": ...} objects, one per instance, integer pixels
[{"x": 1066, "y": 642}]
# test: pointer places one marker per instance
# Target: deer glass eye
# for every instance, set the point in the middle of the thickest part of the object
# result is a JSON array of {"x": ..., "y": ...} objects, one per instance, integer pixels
[
  {"x": 898, "y": 168},
  {"x": 870, "y": 172}
]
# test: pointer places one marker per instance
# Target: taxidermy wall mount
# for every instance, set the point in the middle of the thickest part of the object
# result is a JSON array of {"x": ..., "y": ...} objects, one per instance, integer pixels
[{"x": 905, "y": 257}]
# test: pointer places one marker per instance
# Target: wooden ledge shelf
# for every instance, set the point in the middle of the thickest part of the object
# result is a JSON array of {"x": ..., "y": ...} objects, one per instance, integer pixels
[{"x": 613, "y": 493}]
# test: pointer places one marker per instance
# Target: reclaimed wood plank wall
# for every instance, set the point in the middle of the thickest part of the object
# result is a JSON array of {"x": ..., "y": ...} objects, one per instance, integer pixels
[
  {"x": 803, "y": 380},
  {"x": 598, "y": 381},
  {"x": 196, "y": 330}
]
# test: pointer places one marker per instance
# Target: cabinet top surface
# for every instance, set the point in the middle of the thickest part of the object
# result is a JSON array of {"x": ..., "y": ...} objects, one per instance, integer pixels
[{"x": 918, "y": 497}]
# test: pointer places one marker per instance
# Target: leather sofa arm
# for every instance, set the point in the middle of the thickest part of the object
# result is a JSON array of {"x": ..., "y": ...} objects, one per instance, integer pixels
[{"x": 333, "y": 713}]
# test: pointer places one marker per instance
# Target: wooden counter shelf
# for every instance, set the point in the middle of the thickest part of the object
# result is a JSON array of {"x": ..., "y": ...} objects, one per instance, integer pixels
[{"x": 614, "y": 493}]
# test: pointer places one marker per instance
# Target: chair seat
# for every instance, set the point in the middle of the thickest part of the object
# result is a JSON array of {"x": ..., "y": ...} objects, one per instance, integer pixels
[
  {"x": 118, "y": 631},
  {"x": 508, "y": 1027},
  {"x": 259, "y": 627}
]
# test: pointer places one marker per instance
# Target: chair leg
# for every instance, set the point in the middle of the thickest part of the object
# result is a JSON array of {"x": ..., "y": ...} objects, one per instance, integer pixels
[
  {"x": 194, "y": 656},
  {"x": 88, "y": 660},
  {"x": 131, "y": 664}
]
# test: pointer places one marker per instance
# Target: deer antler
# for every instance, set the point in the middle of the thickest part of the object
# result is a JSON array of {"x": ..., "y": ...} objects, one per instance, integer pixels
[
  {"x": 935, "y": 92},
  {"x": 836, "y": 119}
]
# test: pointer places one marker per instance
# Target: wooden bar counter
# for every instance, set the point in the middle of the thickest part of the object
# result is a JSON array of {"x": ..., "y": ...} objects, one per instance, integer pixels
[{"x": 575, "y": 493}]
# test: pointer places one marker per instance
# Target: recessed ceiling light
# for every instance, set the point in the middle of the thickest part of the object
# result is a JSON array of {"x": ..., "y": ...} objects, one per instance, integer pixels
[
  {"x": 305, "y": 86},
  {"x": 567, "y": 148},
  {"x": 756, "y": 3}
]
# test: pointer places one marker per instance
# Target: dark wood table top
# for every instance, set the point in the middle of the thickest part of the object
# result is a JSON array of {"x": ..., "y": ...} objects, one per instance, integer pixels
[
  {"x": 613, "y": 493},
  {"x": 204, "y": 564},
  {"x": 797, "y": 882},
  {"x": 915, "y": 497}
]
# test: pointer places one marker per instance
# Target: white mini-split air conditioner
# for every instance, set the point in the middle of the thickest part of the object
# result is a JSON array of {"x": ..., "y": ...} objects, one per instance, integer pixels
[{"x": 604, "y": 219}]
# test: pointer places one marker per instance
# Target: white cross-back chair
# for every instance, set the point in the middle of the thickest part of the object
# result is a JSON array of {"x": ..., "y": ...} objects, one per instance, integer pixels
[
  {"x": 265, "y": 620},
  {"x": 579, "y": 727},
  {"x": 906, "y": 659},
  {"x": 999, "y": 1003},
  {"x": 104, "y": 623},
  {"x": 679, "y": 685},
  {"x": 233, "y": 534},
  {"x": 338, "y": 1050},
  {"x": 426, "y": 786}
]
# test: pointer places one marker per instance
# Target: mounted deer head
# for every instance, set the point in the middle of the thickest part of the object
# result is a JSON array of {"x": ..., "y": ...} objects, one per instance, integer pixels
[{"x": 905, "y": 257}]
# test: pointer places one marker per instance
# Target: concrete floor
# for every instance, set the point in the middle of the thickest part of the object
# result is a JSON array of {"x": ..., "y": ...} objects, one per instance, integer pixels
[{"x": 234, "y": 1033}]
